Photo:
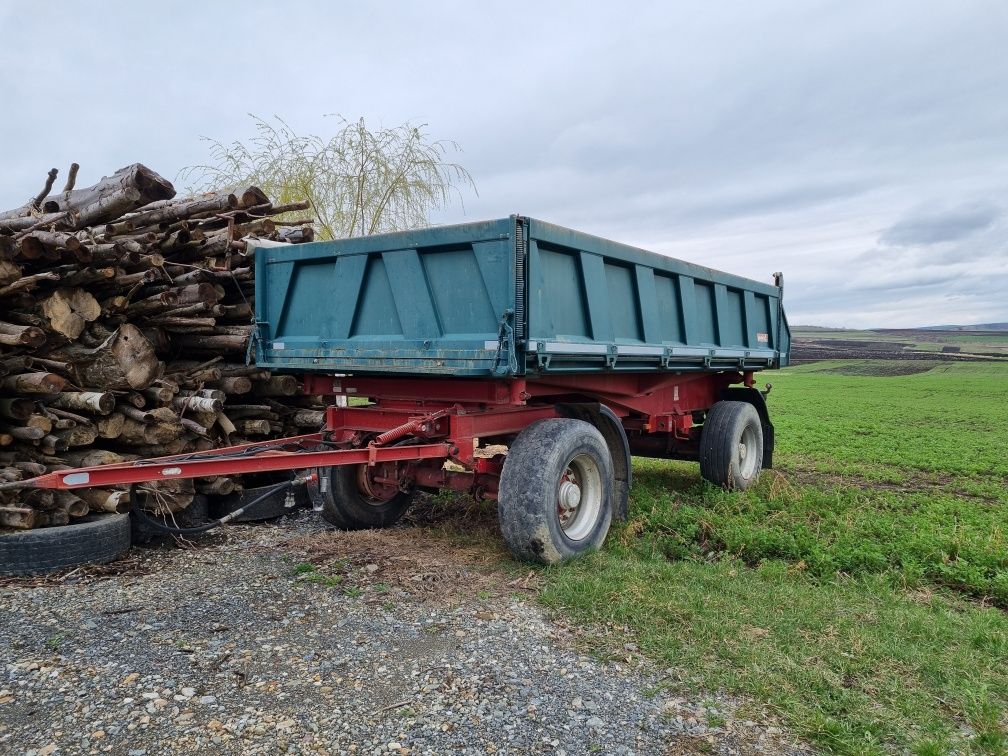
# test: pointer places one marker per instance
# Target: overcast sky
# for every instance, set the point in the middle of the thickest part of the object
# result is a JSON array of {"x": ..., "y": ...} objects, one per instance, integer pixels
[{"x": 860, "y": 147}]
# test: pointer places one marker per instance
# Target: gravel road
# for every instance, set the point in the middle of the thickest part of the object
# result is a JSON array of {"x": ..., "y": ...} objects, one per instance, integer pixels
[{"x": 292, "y": 638}]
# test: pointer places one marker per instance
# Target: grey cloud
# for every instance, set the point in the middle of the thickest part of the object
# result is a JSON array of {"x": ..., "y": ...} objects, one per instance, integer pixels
[
  {"x": 748, "y": 136},
  {"x": 935, "y": 225}
]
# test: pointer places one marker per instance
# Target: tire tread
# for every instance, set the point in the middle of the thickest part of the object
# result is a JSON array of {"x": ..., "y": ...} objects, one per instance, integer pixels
[{"x": 95, "y": 539}]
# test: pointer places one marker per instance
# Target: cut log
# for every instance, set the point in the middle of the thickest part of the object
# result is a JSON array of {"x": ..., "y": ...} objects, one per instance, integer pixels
[
  {"x": 53, "y": 366},
  {"x": 16, "y": 409},
  {"x": 64, "y": 415},
  {"x": 34, "y": 383},
  {"x": 212, "y": 343},
  {"x": 139, "y": 415},
  {"x": 79, "y": 435},
  {"x": 298, "y": 235},
  {"x": 253, "y": 427},
  {"x": 40, "y": 243},
  {"x": 157, "y": 450},
  {"x": 197, "y": 403},
  {"x": 193, "y": 427},
  {"x": 40, "y": 421},
  {"x": 175, "y": 211},
  {"x": 165, "y": 497},
  {"x": 308, "y": 418},
  {"x": 26, "y": 283},
  {"x": 21, "y": 518},
  {"x": 100, "y": 402},
  {"x": 70, "y": 503},
  {"x": 234, "y": 385},
  {"x": 167, "y": 427},
  {"x": 31, "y": 435},
  {"x": 9, "y": 272},
  {"x": 18, "y": 335},
  {"x": 128, "y": 188},
  {"x": 215, "y": 486},
  {"x": 158, "y": 394},
  {"x": 88, "y": 276},
  {"x": 91, "y": 457},
  {"x": 111, "y": 426},
  {"x": 105, "y": 499},
  {"x": 253, "y": 197},
  {"x": 125, "y": 360},
  {"x": 69, "y": 310},
  {"x": 225, "y": 424},
  {"x": 52, "y": 444},
  {"x": 278, "y": 385}
]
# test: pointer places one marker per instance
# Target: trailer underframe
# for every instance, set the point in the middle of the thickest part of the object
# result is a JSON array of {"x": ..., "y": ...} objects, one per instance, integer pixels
[{"x": 412, "y": 426}]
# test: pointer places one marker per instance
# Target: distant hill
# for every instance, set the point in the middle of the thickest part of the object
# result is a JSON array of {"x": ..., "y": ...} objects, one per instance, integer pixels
[{"x": 976, "y": 327}]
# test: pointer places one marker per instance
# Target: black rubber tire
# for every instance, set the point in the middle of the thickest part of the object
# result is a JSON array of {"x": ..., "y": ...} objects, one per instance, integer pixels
[
  {"x": 721, "y": 458},
  {"x": 94, "y": 539},
  {"x": 196, "y": 514},
  {"x": 344, "y": 506},
  {"x": 529, "y": 488},
  {"x": 268, "y": 509}
]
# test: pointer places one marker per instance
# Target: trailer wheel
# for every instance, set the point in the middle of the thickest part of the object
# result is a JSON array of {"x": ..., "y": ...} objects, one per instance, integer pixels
[
  {"x": 196, "y": 514},
  {"x": 267, "y": 509},
  {"x": 731, "y": 445},
  {"x": 353, "y": 500},
  {"x": 555, "y": 499}
]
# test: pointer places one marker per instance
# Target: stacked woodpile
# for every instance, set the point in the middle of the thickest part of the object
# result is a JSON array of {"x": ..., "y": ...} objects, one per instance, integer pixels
[{"x": 125, "y": 317}]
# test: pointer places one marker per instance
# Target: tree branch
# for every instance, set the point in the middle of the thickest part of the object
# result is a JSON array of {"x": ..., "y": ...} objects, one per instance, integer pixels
[{"x": 50, "y": 180}]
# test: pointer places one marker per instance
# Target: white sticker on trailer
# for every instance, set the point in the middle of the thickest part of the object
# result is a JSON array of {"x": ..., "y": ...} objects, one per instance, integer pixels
[
  {"x": 278, "y": 345},
  {"x": 167, "y": 471},
  {"x": 76, "y": 479}
]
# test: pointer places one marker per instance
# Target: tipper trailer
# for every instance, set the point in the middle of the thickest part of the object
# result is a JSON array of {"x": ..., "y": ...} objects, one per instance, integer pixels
[{"x": 570, "y": 352}]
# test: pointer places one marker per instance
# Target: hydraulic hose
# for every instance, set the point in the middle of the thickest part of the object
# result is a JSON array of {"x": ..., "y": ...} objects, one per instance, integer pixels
[{"x": 145, "y": 518}]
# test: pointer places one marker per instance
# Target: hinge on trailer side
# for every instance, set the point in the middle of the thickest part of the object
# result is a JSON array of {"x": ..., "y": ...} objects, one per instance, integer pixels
[
  {"x": 612, "y": 354},
  {"x": 505, "y": 361},
  {"x": 542, "y": 357}
]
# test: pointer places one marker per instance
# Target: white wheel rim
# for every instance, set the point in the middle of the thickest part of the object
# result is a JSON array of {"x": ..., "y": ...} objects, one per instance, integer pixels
[
  {"x": 579, "y": 497},
  {"x": 747, "y": 452}
]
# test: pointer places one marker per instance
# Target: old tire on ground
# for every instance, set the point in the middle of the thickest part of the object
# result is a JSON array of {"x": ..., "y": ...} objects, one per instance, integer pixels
[
  {"x": 94, "y": 539},
  {"x": 731, "y": 445},
  {"x": 555, "y": 499},
  {"x": 347, "y": 503},
  {"x": 268, "y": 509}
]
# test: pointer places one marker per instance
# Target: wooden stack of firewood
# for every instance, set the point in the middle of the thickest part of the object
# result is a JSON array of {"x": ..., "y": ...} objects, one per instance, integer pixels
[{"x": 125, "y": 317}]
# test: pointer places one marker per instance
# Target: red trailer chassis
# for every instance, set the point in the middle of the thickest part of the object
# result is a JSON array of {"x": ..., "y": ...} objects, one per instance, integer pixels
[{"x": 414, "y": 425}]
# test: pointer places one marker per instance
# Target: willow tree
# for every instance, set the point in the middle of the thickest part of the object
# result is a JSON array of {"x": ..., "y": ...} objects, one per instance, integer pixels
[{"x": 359, "y": 181}]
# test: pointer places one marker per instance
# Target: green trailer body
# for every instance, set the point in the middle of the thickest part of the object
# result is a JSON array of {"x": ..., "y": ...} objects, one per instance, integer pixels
[{"x": 506, "y": 298}]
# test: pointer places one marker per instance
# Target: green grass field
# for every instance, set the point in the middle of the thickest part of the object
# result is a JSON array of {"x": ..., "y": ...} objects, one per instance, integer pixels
[{"x": 860, "y": 590}]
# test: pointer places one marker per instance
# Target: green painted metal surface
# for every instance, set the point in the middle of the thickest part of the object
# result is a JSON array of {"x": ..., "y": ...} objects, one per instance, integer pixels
[{"x": 507, "y": 297}]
